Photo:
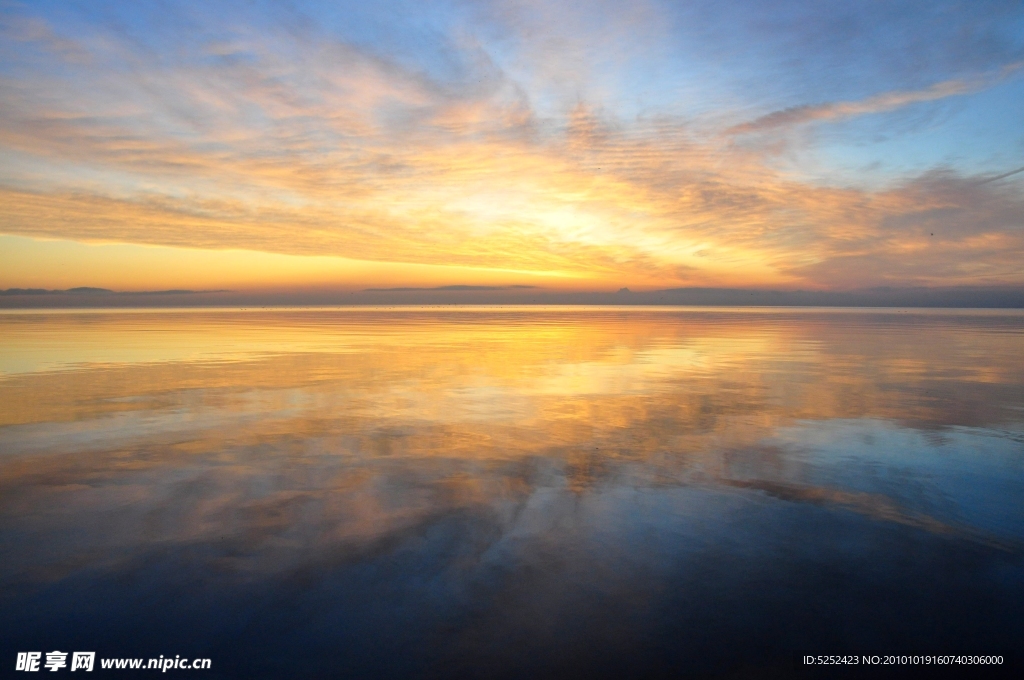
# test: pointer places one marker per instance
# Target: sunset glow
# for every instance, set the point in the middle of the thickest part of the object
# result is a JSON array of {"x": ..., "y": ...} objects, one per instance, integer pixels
[{"x": 570, "y": 146}]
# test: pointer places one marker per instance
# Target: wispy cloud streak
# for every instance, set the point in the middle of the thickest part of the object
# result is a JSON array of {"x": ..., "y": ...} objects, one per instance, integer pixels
[{"x": 888, "y": 101}]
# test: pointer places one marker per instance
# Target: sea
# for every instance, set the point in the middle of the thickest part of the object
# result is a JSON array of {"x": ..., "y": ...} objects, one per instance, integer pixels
[{"x": 510, "y": 492}]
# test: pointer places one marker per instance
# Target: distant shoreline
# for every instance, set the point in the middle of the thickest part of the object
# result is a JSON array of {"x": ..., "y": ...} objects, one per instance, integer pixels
[{"x": 85, "y": 297}]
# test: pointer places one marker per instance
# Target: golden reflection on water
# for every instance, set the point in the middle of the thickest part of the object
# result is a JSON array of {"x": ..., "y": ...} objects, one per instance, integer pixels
[{"x": 279, "y": 435}]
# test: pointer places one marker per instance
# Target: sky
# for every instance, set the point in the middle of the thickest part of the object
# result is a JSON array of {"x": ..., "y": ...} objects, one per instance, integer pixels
[{"x": 570, "y": 146}]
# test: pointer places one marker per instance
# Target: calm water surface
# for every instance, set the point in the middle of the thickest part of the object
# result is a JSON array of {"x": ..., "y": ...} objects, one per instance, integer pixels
[{"x": 509, "y": 492}]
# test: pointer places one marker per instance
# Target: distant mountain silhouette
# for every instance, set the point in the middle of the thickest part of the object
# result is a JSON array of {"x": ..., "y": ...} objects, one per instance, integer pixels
[{"x": 89, "y": 290}]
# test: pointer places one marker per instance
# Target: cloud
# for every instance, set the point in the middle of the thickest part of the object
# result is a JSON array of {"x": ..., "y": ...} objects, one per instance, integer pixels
[
  {"x": 788, "y": 52},
  {"x": 34, "y": 30},
  {"x": 1002, "y": 175},
  {"x": 940, "y": 228},
  {"x": 888, "y": 101}
]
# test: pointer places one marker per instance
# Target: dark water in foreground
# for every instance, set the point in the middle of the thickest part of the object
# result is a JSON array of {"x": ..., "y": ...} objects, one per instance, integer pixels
[{"x": 514, "y": 493}]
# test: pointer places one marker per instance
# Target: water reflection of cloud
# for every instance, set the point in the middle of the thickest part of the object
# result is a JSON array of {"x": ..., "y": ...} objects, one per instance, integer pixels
[{"x": 379, "y": 432}]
